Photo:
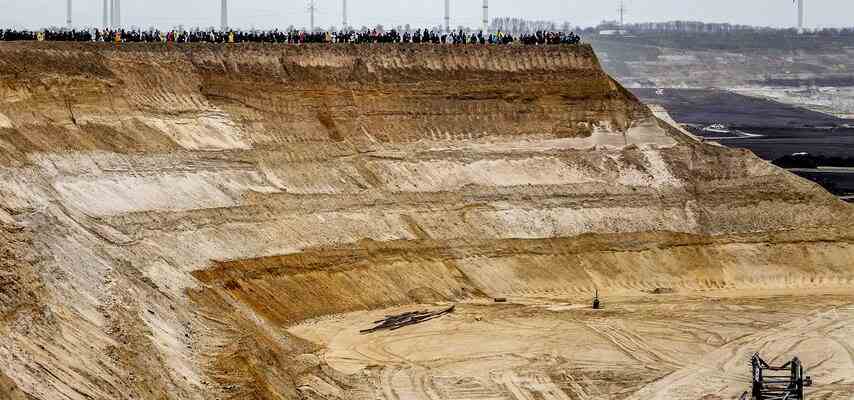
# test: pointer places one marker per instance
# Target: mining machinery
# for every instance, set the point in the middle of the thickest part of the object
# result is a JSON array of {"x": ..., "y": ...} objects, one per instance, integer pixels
[{"x": 778, "y": 383}]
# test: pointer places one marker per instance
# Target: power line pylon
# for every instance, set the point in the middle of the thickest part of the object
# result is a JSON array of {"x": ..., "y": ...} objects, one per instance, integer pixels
[{"x": 622, "y": 10}]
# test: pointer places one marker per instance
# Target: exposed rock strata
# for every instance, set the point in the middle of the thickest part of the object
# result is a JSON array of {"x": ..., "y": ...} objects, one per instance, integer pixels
[{"x": 168, "y": 213}]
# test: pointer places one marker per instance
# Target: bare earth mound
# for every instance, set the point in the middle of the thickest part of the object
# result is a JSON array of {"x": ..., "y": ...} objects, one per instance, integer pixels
[{"x": 207, "y": 222}]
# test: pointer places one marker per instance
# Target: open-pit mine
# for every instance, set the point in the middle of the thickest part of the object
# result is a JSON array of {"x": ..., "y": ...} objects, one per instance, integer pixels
[{"x": 221, "y": 222}]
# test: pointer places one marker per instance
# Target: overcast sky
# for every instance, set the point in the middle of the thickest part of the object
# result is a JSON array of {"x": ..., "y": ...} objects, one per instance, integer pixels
[{"x": 281, "y": 13}]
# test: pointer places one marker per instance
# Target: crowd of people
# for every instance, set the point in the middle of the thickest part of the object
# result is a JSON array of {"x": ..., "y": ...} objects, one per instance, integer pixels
[{"x": 291, "y": 37}]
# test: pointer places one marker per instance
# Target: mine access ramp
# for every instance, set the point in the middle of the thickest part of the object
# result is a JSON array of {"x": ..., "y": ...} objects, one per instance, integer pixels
[{"x": 778, "y": 383}]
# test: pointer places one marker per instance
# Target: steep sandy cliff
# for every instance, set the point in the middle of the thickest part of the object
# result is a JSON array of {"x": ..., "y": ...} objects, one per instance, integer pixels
[{"x": 168, "y": 214}]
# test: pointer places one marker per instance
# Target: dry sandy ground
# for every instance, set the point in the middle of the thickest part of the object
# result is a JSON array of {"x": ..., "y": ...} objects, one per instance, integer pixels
[
  {"x": 673, "y": 346},
  {"x": 168, "y": 214}
]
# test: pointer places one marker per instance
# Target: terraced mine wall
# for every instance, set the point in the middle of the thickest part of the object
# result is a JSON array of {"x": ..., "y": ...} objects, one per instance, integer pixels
[
  {"x": 167, "y": 213},
  {"x": 727, "y": 61}
]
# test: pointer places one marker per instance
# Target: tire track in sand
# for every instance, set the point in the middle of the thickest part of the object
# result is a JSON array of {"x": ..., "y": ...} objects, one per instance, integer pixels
[
  {"x": 632, "y": 345},
  {"x": 720, "y": 371}
]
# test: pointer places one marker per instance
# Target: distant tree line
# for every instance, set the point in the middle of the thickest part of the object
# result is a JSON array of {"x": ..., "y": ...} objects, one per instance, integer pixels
[
  {"x": 518, "y": 26},
  {"x": 713, "y": 28},
  {"x": 692, "y": 35},
  {"x": 691, "y": 27}
]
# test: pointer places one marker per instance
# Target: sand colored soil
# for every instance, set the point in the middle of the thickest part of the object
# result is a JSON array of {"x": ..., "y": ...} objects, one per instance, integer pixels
[
  {"x": 643, "y": 347},
  {"x": 214, "y": 222}
]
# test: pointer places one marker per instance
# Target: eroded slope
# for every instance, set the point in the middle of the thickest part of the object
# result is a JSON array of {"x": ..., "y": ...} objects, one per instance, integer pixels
[{"x": 168, "y": 213}]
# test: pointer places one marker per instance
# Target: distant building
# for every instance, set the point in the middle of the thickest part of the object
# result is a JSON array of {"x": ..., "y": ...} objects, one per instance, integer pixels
[{"x": 613, "y": 32}]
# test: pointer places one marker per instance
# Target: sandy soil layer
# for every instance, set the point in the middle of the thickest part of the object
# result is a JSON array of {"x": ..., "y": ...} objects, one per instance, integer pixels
[
  {"x": 671, "y": 346},
  {"x": 169, "y": 213}
]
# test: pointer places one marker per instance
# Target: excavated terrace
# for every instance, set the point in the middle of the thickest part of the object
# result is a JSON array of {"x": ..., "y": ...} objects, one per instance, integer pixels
[{"x": 200, "y": 221}]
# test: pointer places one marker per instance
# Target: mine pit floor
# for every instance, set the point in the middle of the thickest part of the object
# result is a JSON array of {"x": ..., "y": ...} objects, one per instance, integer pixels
[{"x": 672, "y": 346}]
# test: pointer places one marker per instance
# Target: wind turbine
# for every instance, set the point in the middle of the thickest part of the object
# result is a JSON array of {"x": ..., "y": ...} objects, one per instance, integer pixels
[
  {"x": 801, "y": 14},
  {"x": 115, "y": 14},
  {"x": 312, "y": 8},
  {"x": 223, "y": 17},
  {"x": 68, "y": 14},
  {"x": 447, "y": 15},
  {"x": 485, "y": 15},
  {"x": 344, "y": 23}
]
